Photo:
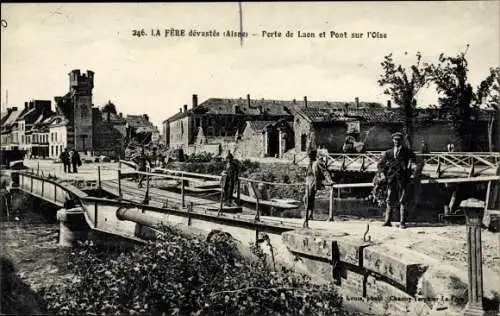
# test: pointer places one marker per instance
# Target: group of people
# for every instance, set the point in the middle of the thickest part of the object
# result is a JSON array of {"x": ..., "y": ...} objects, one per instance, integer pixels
[{"x": 71, "y": 160}]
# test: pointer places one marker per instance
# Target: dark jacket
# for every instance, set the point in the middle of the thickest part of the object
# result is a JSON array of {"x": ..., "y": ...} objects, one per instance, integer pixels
[
  {"x": 75, "y": 159},
  {"x": 232, "y": 170},
  {"x": 64, "y": 156},
  {"x": 397, "y": 168}
]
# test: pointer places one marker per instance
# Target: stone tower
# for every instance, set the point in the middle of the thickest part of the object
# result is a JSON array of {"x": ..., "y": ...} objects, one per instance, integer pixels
[{"x": 80, "y": 88}]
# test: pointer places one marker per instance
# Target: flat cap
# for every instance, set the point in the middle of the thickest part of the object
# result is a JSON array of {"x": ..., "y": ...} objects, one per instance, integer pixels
[{"x": 397, "y": 135}]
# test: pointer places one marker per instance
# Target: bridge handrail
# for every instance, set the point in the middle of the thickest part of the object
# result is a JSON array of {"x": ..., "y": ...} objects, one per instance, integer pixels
[
  {"x": 60, "y": 183},
  {"x": 423, "y": 181}
]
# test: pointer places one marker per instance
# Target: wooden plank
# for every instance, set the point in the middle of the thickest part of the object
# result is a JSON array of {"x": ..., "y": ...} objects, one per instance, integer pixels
[
  {"x": 171, "y": 195},
  {"x": 158, "y": 195}
]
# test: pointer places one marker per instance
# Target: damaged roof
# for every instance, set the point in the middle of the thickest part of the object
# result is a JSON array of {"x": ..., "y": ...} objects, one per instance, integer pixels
[
  {"x": 243, "y": 106},
  {"x": 379, "y": 115}
]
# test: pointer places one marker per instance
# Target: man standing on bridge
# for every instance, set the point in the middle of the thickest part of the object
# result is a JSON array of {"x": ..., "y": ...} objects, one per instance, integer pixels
[
  {"x": 314, "y": 182},
  {"x": 142, "y": 161},
  {"x": 394, "y": 167},
  {"x": 231, "y": 173}
]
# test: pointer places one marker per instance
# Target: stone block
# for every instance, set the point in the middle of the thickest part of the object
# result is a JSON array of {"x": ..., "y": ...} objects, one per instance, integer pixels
[
  {"x": 353, "y": 282},
  {"x": 400, "y": 265},
  {"x": 316, "y": 243},
  {"x": 350, "y": 250}
]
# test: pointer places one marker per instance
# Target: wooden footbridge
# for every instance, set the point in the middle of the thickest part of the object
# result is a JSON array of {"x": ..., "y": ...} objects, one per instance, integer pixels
[{"x": 435, "y": 165}]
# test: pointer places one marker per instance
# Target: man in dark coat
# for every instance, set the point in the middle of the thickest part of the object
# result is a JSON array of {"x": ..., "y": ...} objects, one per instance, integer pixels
[
  {"x": 75, "y": 160},
  {"x": 142, "y": 161},
  {"x": 65, "y": 160},
  {"x": 394, "y": 167},
  {"x": 231, "y": 173}
]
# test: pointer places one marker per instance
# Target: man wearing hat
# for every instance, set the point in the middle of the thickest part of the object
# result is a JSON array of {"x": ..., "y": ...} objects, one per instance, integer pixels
[
  {"x": 231, "y": 173},
  {"x": 394, "y": 166},
  {"x": 314, "y": 182}
]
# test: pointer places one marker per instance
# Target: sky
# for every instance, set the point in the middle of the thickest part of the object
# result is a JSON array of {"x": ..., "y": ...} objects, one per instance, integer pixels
[{"x": 157, "y": 75}]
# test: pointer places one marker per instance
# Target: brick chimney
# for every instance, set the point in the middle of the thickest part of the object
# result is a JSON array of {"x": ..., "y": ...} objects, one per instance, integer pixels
[
  {"x": 305, "y": 102},
  {"x": 146, "y": 117},
  {"x": 389, "y": 105},
  {"x": 180, "y": 110},
  {"x": 294, "y": 101},
  {"x": 120, "y": 114},
  {"x": 185, "y": 108},
  {"x": 356, "y": 99},
  {"x": 195, "y": 100},
  {"x": 14, "y": 108},
  {"x": 248, "y": 100},
  {"x": 26, "y": 105}
]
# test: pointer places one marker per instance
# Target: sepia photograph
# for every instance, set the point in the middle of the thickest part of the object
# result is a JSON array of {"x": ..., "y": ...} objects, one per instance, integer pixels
[{"x": 250, "y": 158}]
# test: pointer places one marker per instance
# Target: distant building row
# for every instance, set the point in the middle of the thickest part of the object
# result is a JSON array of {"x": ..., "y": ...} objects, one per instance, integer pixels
[
  {"x": 76, "y": 123},
  {"x": 275, "y": 128}
]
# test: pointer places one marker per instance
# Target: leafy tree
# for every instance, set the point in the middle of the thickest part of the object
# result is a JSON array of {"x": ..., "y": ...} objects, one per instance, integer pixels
[
  {"x": 457, "y": 98},
  {"x": 402, "y": 85}
]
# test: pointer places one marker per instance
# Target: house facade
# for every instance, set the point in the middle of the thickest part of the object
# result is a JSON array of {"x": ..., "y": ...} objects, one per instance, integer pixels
[
  {"x": 266, "y": 139},
  {"x": 11, "y": 129},
  {"x": 217, "y": 120},
  {"x": 58, "y": 135}
]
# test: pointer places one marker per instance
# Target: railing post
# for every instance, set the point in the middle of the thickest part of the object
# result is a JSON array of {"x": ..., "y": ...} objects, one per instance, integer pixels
[
  {"x": 183, "y": 204},
  {"x": 223, "y": 180},
  {"x": 99, "y": 177},
  {"x": 43, "y": 185},
  {"x": 331, "y": 206},
  {"x": 190, "y": 210},
  {"x": 238, "y": 193},
  {"x": 55, "y": 193},
  {"x": 474, "y": 210},
  {"x": 146, "y": 195},
  {"x": 31, "y": 184},
  {"x": 38, "y": 168},
  {"x": 95, "y": 214},
  {"x": 119, "y": 183}
]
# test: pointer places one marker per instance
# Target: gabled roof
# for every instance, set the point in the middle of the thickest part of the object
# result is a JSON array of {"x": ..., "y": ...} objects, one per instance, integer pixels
[
  {"x": 258, "y": 126},
  {"x": 4, "y": 116},
  {"x": 14, "y": 115}
]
